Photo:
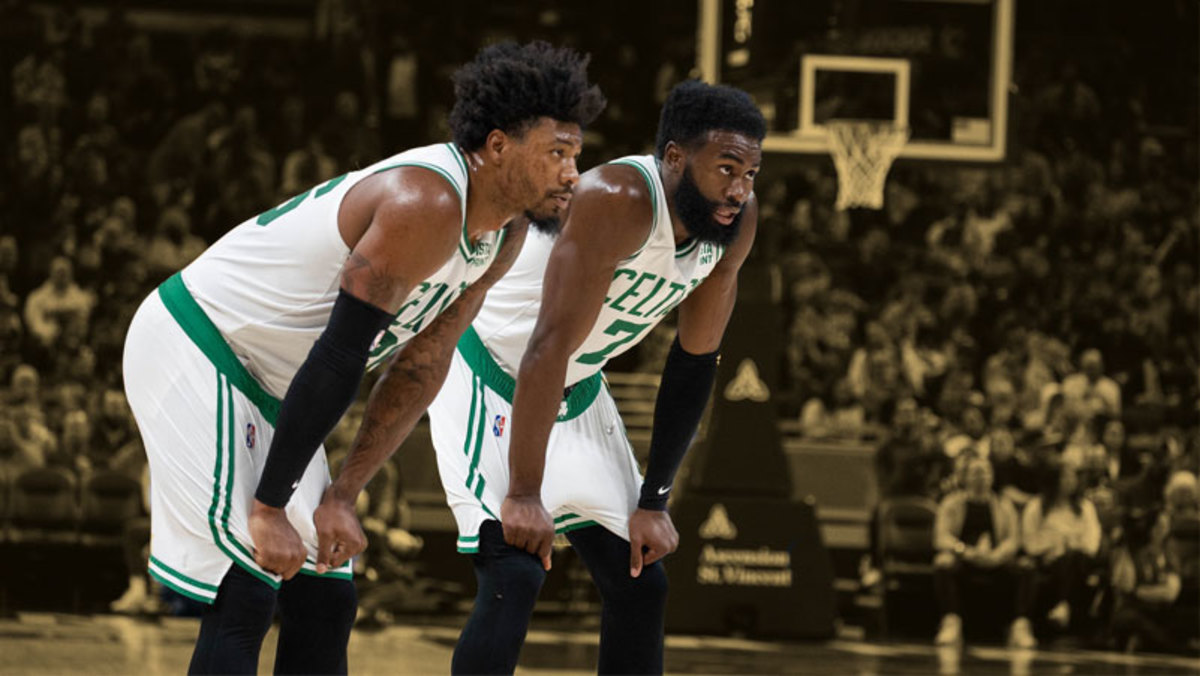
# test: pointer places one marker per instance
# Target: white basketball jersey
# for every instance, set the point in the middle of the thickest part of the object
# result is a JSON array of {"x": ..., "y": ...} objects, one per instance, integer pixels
[
  {"x": 645, "y": 287},
  {"x": 270, "y": 283}
]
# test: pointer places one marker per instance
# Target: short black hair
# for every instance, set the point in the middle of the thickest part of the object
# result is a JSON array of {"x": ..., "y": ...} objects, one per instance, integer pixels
[
  {"x": 694, "y": 108},
  {"x": 509, "y": 86}
]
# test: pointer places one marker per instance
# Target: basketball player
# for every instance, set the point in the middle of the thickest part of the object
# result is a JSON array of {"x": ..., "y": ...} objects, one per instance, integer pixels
[
  {"x": 547, "y": 452},
  {"x": 237, "y": 367}
]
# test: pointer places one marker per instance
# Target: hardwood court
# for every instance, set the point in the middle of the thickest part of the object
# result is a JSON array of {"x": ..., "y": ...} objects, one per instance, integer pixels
[{"x": 69, "y": 644}]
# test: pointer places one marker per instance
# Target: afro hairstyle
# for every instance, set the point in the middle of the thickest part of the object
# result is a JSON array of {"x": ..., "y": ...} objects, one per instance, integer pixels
[
  {"x": 694, "y": 108},
  {"x": 509, "y": 86}
]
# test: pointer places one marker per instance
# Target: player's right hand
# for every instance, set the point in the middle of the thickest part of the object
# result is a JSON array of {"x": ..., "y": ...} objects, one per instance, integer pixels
[
  {"x": 527, "y": 525},
  {"x": 277, "y": 545}
]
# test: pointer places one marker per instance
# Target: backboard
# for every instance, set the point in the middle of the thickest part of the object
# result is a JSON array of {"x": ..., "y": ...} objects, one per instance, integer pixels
[{"x": 942, "y": 68}]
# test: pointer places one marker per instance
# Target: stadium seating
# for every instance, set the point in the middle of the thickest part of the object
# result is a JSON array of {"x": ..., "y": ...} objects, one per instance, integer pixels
[{"x": 906, "y": 562}]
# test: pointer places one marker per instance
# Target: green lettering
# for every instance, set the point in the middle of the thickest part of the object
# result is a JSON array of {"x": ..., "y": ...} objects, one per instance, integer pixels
[
  {"x": 269, "y": 215},
  {"x": 618, "y": 273},
  {"x": 634, "y": 311},
  {"x": 632, "y": 291},
  {"x": 415, "y": 324},
  {"x": 618, "y": 327},
  {"x": 675, "y": 288}
]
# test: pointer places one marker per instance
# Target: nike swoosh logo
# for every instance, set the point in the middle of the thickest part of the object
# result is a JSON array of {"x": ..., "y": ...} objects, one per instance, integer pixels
[{"x": 663, "y": 490}]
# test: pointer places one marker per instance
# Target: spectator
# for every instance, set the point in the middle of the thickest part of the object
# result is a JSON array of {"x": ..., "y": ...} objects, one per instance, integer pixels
[
  {"x": 115, "y": 444},
  {"x": 349, "y": 138},
  {"x": 35, "y": 443},
  {"x": 72, "y": 452},
  {"x": 56, "y": 303},
  {"x": 173, "y": 245},
  {"x": 306, "y": 167},
  {"x": 1060, "y": 530},
  {"x": 15, "y": 457},
  {"x": 12, "y": 337},
  {"x": 975, "y": 534},
  {"x": 971, "y": 437},
  {"x": 23, "y": 388},
  {"x": 1146, "y": 575},
  {"x": 1091, "y": 391},
  {"x": 874, "y": 373},
  {"x": 843, "y": 418},
  {"x": 1013, "y": 470},
  {"x": 1121, "y": 462},
  {"x": 8, "y": 269}
]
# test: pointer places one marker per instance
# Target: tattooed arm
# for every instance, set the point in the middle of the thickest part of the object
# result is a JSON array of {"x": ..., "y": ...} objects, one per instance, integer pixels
[{"x": 408, "y": 385}]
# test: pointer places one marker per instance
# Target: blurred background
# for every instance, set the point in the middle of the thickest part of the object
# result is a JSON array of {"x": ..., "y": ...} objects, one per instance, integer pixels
[{"x": 1027, "y": 294}]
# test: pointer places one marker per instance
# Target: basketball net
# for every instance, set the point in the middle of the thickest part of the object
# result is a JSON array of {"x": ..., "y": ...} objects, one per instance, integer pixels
[{"x": 863, "y": 152}]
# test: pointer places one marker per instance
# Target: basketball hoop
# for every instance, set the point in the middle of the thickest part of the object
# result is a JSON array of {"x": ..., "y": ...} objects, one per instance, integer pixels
[{"x": 863, "y": 151}]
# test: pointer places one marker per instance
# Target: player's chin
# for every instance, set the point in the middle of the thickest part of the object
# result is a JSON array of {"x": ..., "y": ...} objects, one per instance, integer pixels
[{"x": 545, "y": 221}]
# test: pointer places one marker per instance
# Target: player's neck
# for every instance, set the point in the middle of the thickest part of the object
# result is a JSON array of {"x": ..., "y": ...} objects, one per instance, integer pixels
[{"x": 488, "y": 206}]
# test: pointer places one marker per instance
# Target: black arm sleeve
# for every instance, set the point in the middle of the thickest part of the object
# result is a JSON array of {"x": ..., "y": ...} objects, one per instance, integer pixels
[
  {"x": 319, "y": 395},
  {"x": 687, "y": 382}
]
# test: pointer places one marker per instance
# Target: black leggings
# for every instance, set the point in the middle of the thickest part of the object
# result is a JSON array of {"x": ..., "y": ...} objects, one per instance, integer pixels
[
  {"x": 631, "y": 624},
  {"x": 316, "y": 616}
]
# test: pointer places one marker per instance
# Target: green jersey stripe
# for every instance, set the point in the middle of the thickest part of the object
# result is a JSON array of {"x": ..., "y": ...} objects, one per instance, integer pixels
[
  {"x": 653, "y": 201},
  {"x": 478, "y": 437},
  {"x": 180, "y": 576},
  {"x": 333, "y": 574},
  {"x": 471, "y": 416},
  {"x": 575, "y": 526},
  {"x": 180, "y": 589}
]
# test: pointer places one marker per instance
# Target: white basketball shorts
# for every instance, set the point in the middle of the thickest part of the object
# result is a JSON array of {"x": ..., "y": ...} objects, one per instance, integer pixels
[
  {"x": 591, "y": 476},
  {"x": 207, "y": 426}
]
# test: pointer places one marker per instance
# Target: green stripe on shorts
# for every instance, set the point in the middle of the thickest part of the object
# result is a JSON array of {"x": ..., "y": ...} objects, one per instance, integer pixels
[{"x": 200, "y": 329}]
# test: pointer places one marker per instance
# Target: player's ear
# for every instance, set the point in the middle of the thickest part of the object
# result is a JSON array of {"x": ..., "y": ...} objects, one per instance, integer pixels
[
  {"x": 674, "y": 156},
  {"x": 495, "y": 145}
]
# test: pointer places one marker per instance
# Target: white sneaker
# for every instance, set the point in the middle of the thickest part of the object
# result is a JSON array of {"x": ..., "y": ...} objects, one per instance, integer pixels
[
  {"x": 950, "y": 632},
  {"x": 1020, "y": 635},
  {"x": 1060, "y": 614},
  {"x": 133, "y": 599}
]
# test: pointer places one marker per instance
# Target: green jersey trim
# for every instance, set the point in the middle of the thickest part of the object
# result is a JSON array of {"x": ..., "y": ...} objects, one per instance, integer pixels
[
  {"x": 201, "y": 330},
  {"x": 687, "y": 248},
  {"x": 476, "y": 354},
  {"x": 653, "y": 202},
  {"x": 180, "y": 583}
]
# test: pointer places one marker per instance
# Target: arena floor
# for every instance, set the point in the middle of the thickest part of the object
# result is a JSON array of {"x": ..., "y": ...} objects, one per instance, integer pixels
[{"x": 69, "y": 644}]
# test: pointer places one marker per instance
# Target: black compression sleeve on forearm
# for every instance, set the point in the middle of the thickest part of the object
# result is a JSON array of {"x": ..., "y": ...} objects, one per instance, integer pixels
[
  {"x": 319, "y": 395},
  {"x": 686, "y": 384}
]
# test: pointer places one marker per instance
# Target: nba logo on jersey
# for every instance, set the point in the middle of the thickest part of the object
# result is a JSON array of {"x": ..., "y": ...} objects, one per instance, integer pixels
[
  {"x": 498, "y": 426},
  {"x": 250, "y": 435}
]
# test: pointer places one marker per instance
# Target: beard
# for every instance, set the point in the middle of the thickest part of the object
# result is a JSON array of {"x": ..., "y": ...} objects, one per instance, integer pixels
[
  {"x": 549, "y": 222},
  {"x": 698, "y": 213},
  {"x": 546, "y": 224}
]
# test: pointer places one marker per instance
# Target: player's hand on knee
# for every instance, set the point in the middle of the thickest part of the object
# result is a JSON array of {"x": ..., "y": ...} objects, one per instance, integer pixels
[
  {"x": 339, "y": 534},
  {"x": 652, "y": 536},
  {"x": 527, "y": 525},
  {"x": 277, "y": 546}
]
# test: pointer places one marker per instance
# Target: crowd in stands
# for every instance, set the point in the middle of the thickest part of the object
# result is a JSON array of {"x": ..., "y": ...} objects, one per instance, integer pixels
[
  {"x": 1021, "y": 341},
  {"x": 1037, "y": 324},
  {"x": 129, "y": 148}
]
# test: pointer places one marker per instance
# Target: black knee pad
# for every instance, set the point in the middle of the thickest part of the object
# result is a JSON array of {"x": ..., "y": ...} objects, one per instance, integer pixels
[
  {"x": 244, "y": 594},
  {"x": 329, "y": 598},
  {"x": 652, "y": 583},
  {"x": 505, "y": 571}
]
